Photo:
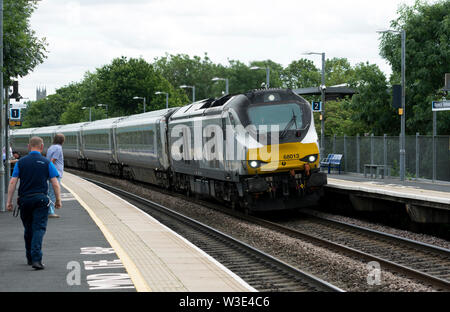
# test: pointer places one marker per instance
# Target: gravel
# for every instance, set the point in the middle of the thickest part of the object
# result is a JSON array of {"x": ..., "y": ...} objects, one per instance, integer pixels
[
  {"x": 342, "y": 271},
  {"x": 429, "y": 239}
]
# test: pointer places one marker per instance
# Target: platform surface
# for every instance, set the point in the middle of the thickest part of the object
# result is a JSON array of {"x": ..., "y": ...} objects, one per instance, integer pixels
[
  {"x": 76, "y": 255},
  {"x": 417, "y": 190},
  {"x": 103, "y": 243}
]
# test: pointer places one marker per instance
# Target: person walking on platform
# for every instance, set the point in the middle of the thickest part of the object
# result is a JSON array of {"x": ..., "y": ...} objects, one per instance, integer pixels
[
  {"x": 55, "y": 155},
  {"x": 34, "y": 171}
]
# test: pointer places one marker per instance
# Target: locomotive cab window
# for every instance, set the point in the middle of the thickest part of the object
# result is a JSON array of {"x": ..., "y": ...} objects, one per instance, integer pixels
[{"x": 280, "y": 114}]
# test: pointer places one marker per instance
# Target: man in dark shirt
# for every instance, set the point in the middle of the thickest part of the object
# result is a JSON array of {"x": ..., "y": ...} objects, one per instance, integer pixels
[{"x": 33, "y": 171}]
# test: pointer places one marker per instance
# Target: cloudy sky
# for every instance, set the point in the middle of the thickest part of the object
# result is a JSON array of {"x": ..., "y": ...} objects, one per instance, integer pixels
[{"x": 86, "y": 34}]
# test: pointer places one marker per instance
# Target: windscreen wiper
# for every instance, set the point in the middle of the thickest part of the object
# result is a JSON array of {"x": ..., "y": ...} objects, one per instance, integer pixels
[{"x": 289, "y": 125}]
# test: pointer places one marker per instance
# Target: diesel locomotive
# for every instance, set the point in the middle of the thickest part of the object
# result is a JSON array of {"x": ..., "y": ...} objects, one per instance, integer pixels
[{"x": 257, "y": 151}]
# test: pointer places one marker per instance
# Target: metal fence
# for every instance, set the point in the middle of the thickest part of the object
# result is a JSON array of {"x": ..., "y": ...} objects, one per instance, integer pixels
[{"x": 422, "y": 160}]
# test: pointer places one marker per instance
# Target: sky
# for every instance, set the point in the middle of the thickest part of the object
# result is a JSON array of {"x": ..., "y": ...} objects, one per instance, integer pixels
[{"x": 87, "y": 34}]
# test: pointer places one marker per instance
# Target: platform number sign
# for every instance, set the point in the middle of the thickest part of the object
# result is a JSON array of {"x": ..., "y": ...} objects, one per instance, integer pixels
[
  {"x": 316, "y": 106},
  {"x": 14, "y": 114}
]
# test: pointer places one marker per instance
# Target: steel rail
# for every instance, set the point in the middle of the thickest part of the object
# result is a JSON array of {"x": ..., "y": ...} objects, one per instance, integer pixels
[
  {"x": 422, "y": 276},
  {"x": 294, "y": 273}
]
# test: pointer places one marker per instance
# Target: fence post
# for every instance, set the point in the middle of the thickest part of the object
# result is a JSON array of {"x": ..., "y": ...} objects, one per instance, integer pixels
[
  {"x": 371, "y": 149},
  {"x": 385, "y": 154},
  {"x": 434, "y": 146},
  {"x": 400, "y": 159},
  {"x": 334, "y": 144},
  {"x": 357, "y": 153},
  {"x": 345, "y": 152},
  {"x": 417, "y": 154}
]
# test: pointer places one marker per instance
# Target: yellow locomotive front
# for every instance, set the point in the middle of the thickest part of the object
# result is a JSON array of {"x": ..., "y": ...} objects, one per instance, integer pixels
[{"x": 282, "y": 152}]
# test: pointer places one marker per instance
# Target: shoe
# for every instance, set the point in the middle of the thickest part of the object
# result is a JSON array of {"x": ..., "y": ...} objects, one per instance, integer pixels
[
  {"x": 37, "y": 266},
  {"x": 29, "y": 262},
  {"x": 53, "y": 215}
]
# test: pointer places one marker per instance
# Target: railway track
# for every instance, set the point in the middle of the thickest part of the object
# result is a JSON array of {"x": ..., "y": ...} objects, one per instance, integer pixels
[
  {"x": 414, "y": 260},
  {"x": 258, "y": 269},
  {"x": 428, "y": 263}
]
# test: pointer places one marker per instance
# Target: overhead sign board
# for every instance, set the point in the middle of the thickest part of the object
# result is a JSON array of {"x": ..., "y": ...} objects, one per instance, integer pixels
[
  {"x": 316, "y": 106},
  {"x": 440, "y": 105},
  {"x": 14, "y": 114}
]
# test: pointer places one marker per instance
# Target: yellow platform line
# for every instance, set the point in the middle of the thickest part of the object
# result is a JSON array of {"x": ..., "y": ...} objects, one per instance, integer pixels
[{"x": 138, "y": 280}]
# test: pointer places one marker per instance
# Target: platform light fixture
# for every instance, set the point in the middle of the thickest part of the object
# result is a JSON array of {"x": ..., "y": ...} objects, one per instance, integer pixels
[
  {"x": 226, "y": 82},
  {"x": 322, "y": 93},
  {"x": 167, "y": 97},
  {"x": 193, "y": 91},
  {"x": 104, "y": 105},
  {"x": 140, "y": 98},
  {"x": 90, "y": 111},
  {"x": 267, "y": 68}
]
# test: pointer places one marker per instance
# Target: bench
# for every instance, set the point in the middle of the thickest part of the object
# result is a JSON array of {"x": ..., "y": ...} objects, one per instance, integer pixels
[
  {"x": 332, "y": 161},
  {"x": 379, "y": 169}
]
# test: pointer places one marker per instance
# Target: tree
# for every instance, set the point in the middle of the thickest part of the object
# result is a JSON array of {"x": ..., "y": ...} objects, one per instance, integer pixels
[
  {"x": 372, "y": 103},
  {"x": 23, "y": 51},
  {"x": 337, "y": 71},
  {"x": 181, "y": 69},
  {"x": 427, "y": 28},
  {"x": 45, "y": 112},
  {"x": 117, "y": 83},
  {"x": 301, "y": 74}
]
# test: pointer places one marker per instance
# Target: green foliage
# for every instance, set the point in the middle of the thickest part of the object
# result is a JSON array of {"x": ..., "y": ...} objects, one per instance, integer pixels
[
  {"x": 23, "y": 51},
  {"x": 117, "y": 83},
  {"x": 337, "y": 71},
  {"x": 181, "y": 69},
  {"x": 73, "y": 114},
  {"x": 371, "y": 106},
  {"x": 45, "y": 112},
  {"x": 301, "y": 74},
  {"x": 427, "y": 28}
]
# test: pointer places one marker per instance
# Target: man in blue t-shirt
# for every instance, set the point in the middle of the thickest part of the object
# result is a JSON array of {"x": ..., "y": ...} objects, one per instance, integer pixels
[
  {"x": 55, "y": 155},
  {"x": 33, "y": 171}
]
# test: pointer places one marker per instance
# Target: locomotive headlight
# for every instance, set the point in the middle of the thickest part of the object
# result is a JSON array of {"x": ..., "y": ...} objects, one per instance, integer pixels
[
  {"x": 309, "y": 158},
  {"x": 256, "y": 163}
]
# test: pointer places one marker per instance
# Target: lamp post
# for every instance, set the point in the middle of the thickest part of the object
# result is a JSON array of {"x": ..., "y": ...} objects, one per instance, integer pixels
[
  {"x": 226, "y": 82},
  {"x": 2, "y": 168},
  {"x": 193, "y": 91},
  {"x": 140, "y": 98},
  {"x": 90, "y": 111},
  {"x": 402, "y": 112},
  {"x": 167, "y": 97},
  {"x": 267, "y": 74},
  {"x": 322, "y": 93},
  {"x": 4, "y": 126},
  {"x": 104, "y": 105}
]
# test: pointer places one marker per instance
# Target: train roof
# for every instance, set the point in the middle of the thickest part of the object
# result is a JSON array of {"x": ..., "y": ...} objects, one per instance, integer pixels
[
  {"x": 101, "y": 124},
  {"x": 20, "y": 132},
  {"x": 45, "y": 130},
  {"x": 145, "y": 118},
  {"x": 72, "y": 127},
  {"x": 202, "y": 107}
]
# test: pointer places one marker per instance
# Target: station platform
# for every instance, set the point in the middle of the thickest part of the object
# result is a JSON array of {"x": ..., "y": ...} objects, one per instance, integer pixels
[
  {"x": 427, "y": 191},
  {"x": 103, "y": 243},
  {"x": 425, "y": 201}
]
